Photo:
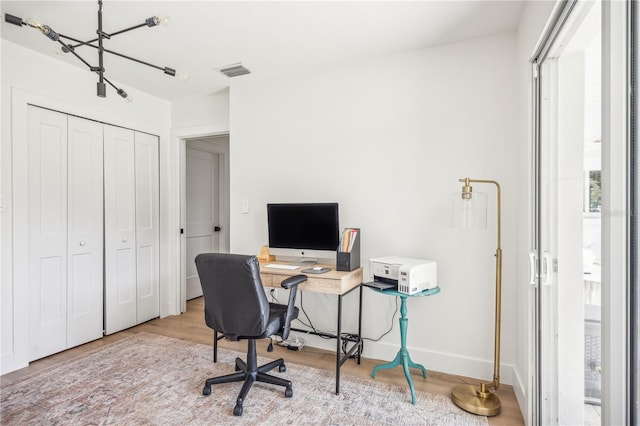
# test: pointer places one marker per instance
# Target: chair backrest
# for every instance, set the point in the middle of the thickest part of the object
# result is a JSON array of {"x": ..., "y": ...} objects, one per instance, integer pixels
[{"x": 235, "y": 302}]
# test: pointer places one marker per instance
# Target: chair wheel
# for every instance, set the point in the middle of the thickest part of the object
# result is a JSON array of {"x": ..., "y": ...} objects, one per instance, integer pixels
[
  {"x": 282, "y": 368},
  {"x": 206, "y": 390},
  {"x": 288, "y": 392},
  {"x": 237, "y": 410}
]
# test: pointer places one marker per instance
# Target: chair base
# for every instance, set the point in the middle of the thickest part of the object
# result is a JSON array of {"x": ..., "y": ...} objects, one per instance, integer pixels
[{"x": 249, "y": 373}]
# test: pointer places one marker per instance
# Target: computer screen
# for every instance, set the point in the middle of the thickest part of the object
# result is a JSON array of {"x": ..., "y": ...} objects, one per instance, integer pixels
[{"x": 305, "y": 230}]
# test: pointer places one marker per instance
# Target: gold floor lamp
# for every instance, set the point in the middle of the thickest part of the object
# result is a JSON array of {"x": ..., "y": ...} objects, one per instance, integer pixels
[{"x": 481, "y": 400}]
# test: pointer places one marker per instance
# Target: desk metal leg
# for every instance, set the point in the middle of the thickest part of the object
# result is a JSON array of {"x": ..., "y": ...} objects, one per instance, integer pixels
[
  {"x": 215, "y": 345},
  {"x": 338, "y": 344},
  {"x": 359, "y": 343},
  {"x": 402, "y": 357},
  {"x": 350, "y": 352}
]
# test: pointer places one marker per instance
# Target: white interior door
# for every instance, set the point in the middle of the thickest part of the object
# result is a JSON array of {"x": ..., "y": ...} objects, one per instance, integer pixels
[
  {"x": 147, "y": 190},
  {"x": 85, "y": 280},
  {"x": 120, "y": 229},
  {"x": 202, "y": 194},
  {"x": 47, "y": 162}
]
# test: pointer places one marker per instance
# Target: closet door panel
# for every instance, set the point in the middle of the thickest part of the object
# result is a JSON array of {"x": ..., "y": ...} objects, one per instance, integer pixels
[
  {"x": 85, "y": 232},
  {"x": 120, "y": 232},
  {"x": 147, "y": 226},
  {"x": 47, "y": 145}
]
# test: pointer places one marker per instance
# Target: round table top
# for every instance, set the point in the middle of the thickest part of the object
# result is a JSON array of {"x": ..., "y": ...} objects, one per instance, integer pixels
[{"x": 392, "y": 292}]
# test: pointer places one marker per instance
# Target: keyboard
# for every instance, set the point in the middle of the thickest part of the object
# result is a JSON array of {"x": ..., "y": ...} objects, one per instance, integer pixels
[{"x": 281, "y": 266}]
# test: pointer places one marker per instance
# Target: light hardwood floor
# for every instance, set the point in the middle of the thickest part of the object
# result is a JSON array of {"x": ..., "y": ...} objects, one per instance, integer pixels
[{"x": 190, "y": 326}]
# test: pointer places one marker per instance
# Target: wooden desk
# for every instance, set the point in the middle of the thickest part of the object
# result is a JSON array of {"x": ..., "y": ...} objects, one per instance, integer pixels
[{"x": 333, "y": 282}]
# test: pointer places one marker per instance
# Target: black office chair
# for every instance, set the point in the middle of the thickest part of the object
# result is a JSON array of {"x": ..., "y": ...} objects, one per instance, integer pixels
[{"x": 236, "y": 305}]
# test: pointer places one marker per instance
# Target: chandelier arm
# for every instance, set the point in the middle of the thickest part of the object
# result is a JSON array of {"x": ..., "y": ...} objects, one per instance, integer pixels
[
  {"x": 91, "y": 67},
  {"x": 111, "y": 84},
  {"x": 167, "y": 70},
  {"x": 100, "y": 51},
  {"x": 135, "y": 27},
  {"x": 79, "y": 42},
  {"x": 87, "y": 43},
  {"x": 135, "y": 60},
  {"x": 118, "y": 90}
]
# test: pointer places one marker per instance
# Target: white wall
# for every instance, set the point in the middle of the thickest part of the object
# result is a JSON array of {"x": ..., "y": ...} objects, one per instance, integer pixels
[
  {"x": 207, "y": 110},
  {"x": 531, "y": 27},
  {"x": 388, "y": 139},
  {"x": 31, "y": 77}
]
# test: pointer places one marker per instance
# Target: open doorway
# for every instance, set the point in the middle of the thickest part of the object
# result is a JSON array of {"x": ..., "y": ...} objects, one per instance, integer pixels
[{"x": 205, "y": 204}]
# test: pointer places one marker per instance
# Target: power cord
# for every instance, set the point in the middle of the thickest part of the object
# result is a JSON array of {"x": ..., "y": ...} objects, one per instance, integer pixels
[
  {"x": 299, "y": 343},
  {"x": 294, "y": 344},
  {"x": 353, "y": 337},
  {"x": 393, "y": 317},
  {"x": 310, "y": 325}
]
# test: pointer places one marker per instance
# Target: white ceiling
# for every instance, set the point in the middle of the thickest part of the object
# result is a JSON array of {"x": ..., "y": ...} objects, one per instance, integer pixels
[{"x": 270, "y": 38}]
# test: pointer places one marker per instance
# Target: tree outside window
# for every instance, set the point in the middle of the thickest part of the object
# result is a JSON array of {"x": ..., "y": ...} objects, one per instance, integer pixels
[{"x": 595, "y": 191}]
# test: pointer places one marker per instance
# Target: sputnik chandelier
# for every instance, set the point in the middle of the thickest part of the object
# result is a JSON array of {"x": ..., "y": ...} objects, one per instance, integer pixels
[{"x": 71, "y": 45}]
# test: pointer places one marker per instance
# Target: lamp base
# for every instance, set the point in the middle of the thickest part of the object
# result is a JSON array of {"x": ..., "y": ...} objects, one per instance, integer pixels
[{"x": 469, "y": 398}]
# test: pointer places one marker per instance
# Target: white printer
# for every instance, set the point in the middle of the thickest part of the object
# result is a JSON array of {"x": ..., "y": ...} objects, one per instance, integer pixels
[{"x": 410, "y": 275}]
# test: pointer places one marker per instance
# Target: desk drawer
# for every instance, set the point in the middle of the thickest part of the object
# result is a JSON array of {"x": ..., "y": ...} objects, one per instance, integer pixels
[{"x": 333, "y": 282}]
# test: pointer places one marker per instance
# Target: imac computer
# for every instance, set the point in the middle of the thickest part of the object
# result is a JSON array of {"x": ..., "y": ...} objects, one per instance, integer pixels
[{"x": 305, "y": 232}]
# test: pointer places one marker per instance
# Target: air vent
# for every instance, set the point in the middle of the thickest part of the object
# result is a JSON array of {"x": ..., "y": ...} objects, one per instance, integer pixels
[{"x": 234, "y": 70}]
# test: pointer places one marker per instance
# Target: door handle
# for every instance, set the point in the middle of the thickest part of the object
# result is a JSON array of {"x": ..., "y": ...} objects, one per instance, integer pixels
[
  {"x": 216, "y": 229},
  {"x": 548, "y": 263},
  {"x": 532, "y": 268}
]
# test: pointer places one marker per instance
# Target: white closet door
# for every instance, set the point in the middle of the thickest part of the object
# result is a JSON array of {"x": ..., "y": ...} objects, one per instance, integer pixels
[
  {"x": 85, "y": 233},
  {"x": 47, "y": 141},
  {"x": 147, "y": 226},
  {"x": 120, "y": 229}
]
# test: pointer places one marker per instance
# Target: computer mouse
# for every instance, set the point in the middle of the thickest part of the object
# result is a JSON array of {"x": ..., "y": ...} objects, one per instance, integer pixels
[{"x": 318, "y": 268}]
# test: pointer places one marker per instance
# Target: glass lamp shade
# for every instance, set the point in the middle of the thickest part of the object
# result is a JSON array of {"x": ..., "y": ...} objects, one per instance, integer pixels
[{"x": 469, "y": 213}]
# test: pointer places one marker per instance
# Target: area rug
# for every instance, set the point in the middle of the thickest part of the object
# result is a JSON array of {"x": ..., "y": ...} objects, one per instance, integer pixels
[{"x": 148, "y": 379}]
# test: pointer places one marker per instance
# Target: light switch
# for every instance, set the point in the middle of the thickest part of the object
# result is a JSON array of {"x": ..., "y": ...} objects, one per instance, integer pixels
[{"x": 245, "y": 206}]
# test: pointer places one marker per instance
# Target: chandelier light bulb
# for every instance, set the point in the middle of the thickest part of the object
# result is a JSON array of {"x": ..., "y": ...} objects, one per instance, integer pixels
[
  {"x": 34, "y": 23},
  {"x": 157, "y": 20}
]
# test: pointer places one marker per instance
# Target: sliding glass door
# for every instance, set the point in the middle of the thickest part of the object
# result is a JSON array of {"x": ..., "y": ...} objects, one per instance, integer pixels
[
  {"x": 586, "y": 188},
  {"x": 568, "y": 228},
  {"x": 634, "y": 225}
]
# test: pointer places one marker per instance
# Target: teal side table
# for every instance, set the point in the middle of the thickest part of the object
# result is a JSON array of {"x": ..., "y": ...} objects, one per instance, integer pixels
[{"x": 403, "y": 358}]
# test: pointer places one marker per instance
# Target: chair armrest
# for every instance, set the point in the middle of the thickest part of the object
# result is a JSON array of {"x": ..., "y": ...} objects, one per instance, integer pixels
[
  {"x": 291, "y": 284},
  {"x": 293, "y": 281}
]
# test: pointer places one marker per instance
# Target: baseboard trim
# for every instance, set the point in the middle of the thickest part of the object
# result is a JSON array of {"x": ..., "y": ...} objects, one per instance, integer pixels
[
  {"x": 519, "y": 388},
  {"x": 448, "y": 363},
  {"x": 8, "y": 363}
]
